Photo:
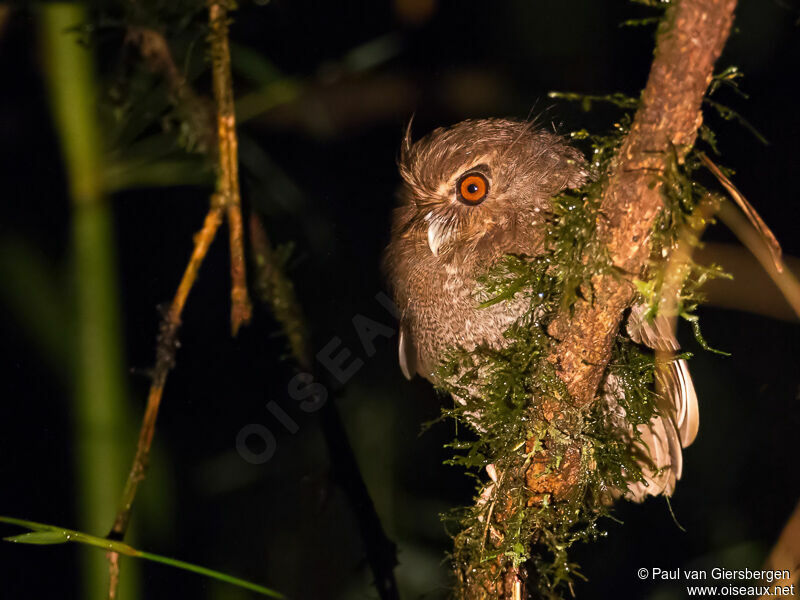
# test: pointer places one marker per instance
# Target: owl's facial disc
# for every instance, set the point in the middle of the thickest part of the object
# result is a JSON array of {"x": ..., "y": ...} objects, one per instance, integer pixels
[{"x": 469, "y": 190}]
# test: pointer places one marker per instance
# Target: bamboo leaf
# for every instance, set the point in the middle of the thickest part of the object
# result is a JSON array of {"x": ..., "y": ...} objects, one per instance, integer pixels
[{"x": 39, "y": 538}]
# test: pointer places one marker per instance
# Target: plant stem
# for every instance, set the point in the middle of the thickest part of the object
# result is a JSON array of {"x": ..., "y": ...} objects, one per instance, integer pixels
[
  {"x": 227, "y": 200},
  {"x": 99, "y": 383},
  {"x": 165, "y": 361},
  {"x": 228, "y": 159},
  {"x": 275, "y": 289},
  {"x": 42, "y": 534}
]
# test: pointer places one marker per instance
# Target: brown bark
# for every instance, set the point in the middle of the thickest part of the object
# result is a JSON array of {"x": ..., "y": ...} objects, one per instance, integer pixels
[
  {"x": 690, "y": 40},
  {"x": 785, "y": 556}
]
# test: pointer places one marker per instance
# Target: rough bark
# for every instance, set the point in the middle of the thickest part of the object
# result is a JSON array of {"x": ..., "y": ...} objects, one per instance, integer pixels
[{"x": 690, "y": 40}]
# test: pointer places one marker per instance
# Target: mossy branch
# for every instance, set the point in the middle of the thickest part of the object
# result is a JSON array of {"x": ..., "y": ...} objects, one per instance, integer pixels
[{"x": 690, "y": 39}]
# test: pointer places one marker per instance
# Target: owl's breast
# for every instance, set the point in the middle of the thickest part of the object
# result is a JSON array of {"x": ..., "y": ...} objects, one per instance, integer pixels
[{"x": 441, "y": 313}]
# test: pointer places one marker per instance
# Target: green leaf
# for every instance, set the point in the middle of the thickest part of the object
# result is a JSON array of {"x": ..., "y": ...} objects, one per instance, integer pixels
[
  {"x": 43, "y": 534},
  {"x": 39, "y": 538}
]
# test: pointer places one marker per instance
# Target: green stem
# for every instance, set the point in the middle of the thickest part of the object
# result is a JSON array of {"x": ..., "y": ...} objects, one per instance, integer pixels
[
  {"x": 43, "y": 534},
  {"x": 99, "y": 393}
]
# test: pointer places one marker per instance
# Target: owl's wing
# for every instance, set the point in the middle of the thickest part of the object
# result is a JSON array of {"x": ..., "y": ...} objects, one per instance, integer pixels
[
  {"x": 407, "y": 353},
  {"x": 678, "y": 423}
]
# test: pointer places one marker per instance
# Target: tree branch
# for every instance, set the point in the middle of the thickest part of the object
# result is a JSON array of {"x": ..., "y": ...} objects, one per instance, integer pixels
[
  {"x": 227, "y": 200},
  {"x": 690, "y": 39}
]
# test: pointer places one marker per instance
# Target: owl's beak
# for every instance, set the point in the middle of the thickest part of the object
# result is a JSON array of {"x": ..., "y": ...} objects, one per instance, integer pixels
[{"x": 439, "y": 232}]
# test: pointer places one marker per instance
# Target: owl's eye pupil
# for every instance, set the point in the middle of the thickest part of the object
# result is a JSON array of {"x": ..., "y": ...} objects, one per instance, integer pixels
[{"x": 472, "y": 188}]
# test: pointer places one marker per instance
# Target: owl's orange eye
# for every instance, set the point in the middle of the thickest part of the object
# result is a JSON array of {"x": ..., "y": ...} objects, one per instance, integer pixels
[{"x": 472, "y": 188}]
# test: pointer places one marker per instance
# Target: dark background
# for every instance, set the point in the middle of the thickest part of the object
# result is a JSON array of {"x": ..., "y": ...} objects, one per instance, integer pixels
[{"x": 322, "y": 170}]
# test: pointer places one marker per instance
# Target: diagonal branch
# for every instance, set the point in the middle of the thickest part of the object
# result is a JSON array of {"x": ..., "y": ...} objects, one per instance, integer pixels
[
  {"x": 785, "y": 556},
  {"x": 165, "y": 360},
  {"x": 690, "y": 39}
]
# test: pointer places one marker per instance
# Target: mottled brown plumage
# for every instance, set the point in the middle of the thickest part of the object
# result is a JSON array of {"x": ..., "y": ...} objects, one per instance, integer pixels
[{"x": 473, "y": 193}]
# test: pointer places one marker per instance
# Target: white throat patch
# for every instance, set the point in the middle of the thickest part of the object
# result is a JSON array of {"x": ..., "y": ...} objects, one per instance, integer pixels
[{"x": 439, "y": 232}]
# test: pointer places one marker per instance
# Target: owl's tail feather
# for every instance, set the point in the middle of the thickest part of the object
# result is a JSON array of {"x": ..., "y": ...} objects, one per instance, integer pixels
[{"x": 662, "y": 440}]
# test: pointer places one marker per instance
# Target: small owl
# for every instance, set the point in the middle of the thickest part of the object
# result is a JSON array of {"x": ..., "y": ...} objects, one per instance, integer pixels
[{"x": 473, "y": 193}]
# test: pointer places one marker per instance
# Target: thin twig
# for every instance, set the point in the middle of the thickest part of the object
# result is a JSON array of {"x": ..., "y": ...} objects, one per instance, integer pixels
[
  {"x": 769, "y": 239},
  {"x": 753, "y": 239},
  {"x": 227, "y": 200},
  {"x": 165, "y": 361},
  {"x": 228, "y": 162},
  {"x": 196, "y": 110}
]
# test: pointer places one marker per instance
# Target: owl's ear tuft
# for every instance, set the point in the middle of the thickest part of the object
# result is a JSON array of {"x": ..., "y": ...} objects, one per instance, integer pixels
[
  {"x": 407, "y": 136},
  {"x": 405, "y": 149},
  {"x": 405, "y": 159}
]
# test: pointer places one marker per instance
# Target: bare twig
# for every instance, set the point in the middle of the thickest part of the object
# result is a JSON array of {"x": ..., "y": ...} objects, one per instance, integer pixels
[
  {"x": 228, "y": 165},
  {"x": 272, "y": 285},
  {"x": 226, "y": 200},
  {"x": 165, "y": 360},
  {"x": 769, "y": 239},
  {"x": 753, "y": 239}
]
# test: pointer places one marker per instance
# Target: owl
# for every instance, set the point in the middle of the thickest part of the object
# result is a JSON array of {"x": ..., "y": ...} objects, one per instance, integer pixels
[{"x": 473, "y": 193}]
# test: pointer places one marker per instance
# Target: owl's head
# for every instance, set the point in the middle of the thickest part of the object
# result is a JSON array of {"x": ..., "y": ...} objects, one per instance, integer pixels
[{"x": 483, "y": 183}]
